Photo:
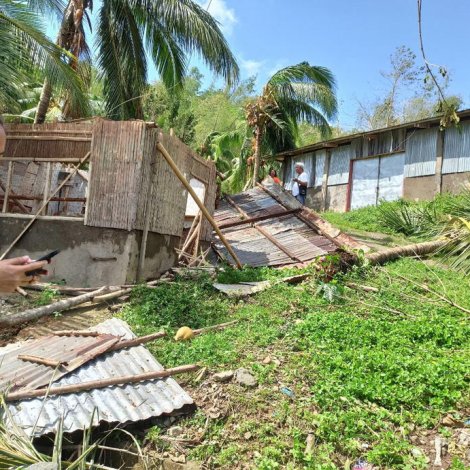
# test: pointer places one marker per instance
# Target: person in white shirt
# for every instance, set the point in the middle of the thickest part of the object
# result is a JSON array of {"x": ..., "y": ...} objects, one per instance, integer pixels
[{"x": 299, "y": 183}]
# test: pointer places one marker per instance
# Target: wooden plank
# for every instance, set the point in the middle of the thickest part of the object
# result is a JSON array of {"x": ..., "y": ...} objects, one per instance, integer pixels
[
  {"x": 259, "y": 218},
  {"x": 51, "y": 138},
  {"x": 34, "y": 159}
]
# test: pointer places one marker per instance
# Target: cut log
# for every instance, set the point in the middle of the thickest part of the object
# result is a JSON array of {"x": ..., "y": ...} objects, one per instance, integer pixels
[
  {"x": 60, "y": 306},
  {"x": 417, "y": 249},
  {"x": 95, "y": 384}
]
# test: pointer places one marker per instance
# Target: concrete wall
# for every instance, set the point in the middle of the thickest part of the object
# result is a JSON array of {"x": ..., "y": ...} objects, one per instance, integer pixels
[
  {"x": 455, "y": 182},
  {"x": 420, "y": 188},
  {"x": 90, "y": 256},
  {"x": 314, "y": 198},
  {"x": 336, "y": 198}
]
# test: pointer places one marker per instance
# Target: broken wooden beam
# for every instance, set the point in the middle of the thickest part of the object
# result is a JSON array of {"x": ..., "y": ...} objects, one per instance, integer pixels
[
  {"x": 259, "y": 218},
  {"x": 40, "y": 360},
  {"x": 60, "y": 306},
  {"x": 96, "y": 384}
]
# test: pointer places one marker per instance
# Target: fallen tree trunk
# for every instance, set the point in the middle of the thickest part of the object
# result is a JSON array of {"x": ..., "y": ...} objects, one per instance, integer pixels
[
  {"x": 417, "y": 249},
  {"x": 35, "y": 313}
]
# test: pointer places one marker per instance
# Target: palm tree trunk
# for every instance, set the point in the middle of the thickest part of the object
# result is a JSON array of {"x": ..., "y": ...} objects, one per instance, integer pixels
[
  {"x": 257, "y": 155},
  {"x": 43, "y": 104},
  {"x": 67, "y": 28},
  {"x": 416, "y": 249}
]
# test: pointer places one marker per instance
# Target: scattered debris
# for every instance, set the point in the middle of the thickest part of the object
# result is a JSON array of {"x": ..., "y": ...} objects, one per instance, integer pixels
[
  {"x": 245, "y": 378},
  {"x": 223, "y": 377},
  {"x": 309, "y": 444},
  {"x": 117, "y": 404},
  {"x": 175, "y": 431},
  {"x": 288, "y": 392},
  {"x": 438, "y": 448}
]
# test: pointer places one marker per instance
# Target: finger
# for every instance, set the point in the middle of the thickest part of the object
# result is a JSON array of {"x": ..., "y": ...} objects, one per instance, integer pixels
[
  {"x": 32, "y": 266},
  {"x": 18, "y": 261}
]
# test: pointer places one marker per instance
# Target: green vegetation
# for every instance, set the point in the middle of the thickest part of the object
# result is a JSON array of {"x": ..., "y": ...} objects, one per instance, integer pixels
[{"x": 366, "y": 371}]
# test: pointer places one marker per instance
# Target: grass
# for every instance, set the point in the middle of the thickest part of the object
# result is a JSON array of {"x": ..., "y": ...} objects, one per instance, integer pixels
[
  {"x": 368, "y": 370},
  {"x": 408, "y": 218}
]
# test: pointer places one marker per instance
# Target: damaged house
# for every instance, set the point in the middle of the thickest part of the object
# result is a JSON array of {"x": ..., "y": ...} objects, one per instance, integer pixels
[{"x": 107, "y": 198}]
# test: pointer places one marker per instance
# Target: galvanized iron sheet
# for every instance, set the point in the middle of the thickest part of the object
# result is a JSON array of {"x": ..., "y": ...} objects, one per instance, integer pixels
[
  {"x": 116, "y": 404},
  {"x": 457, "y": 149},
  {"x": 421, "y": 147},
  {"x": 72, "y": 351},
  {"x": 253, "y": 248}
]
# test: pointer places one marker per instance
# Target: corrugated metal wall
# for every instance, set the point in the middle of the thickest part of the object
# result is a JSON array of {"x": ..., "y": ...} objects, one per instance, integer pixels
[
  {"x": 320, "y": 157},
  {"x": 420, "y": 154},
  {"x": 457, "y": 149},
  {"x": 339, "y": 164}
]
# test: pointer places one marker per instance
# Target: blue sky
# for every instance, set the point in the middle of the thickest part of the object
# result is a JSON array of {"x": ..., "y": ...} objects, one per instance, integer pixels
[{"x": 354, "y": 38}]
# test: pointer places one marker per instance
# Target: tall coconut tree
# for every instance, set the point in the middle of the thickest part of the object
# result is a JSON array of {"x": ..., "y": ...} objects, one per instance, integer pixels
[
  {"x": 129, "y": 31},
  {"x": 25, "y": 51},
  {"x": 294, "y": 94}
]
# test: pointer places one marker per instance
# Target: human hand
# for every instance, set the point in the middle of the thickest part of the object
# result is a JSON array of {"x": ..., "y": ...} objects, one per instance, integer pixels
[{"x": 13, "y": 272}]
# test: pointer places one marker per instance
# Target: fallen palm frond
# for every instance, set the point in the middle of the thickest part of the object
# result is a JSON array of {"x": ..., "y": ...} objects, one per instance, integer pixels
[
  {"x": 17, "y": 449},
  {"x": 456, "y": 250}
]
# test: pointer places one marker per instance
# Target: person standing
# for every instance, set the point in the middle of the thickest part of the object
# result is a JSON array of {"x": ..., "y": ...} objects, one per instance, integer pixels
[
  {"x": 300, "y": 183},
  {"x": 273, "y": 175}
]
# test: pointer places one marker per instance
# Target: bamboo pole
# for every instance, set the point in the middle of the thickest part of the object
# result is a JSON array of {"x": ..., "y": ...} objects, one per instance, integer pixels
[
  {"x": 61, "y": 305},
  {"x": 47, "y": 187},
  {"x": 191, "y": 191},
  {"x": 38, "y": 213},
  {"x": 95, "y": 384},
  {"x": 192, "y": 234},
  {"x": 7, "y": 187},
  {"x": 49, "y": 138}
]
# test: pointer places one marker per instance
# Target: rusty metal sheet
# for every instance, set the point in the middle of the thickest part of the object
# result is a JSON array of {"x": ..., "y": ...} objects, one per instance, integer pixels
[
  {"x": 73, "y": 351},
  {"x": 115, "y": 404},
  {"x": 289, "y": 234}
]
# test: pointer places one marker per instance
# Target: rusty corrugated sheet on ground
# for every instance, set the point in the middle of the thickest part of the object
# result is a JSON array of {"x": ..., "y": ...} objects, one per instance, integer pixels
[
  {"x": 72, "y": 351},
  {"x": 116, "y": 404},
  {"x": 276, "y": 241}
]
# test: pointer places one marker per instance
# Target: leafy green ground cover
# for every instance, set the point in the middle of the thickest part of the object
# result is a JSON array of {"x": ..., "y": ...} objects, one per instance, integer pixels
[{"x": 368, "y": 373}]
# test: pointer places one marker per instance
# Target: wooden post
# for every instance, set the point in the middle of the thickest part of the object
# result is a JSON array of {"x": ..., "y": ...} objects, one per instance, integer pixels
[
  {"x": 47, "y": 187},
  {"x": 31, "y": 222},
  {"x": 439, "y": 160},
  {"x": 7, "y": 187},
  {"x": 324, "y": 187},
  {"x": 203, "y": 208}
]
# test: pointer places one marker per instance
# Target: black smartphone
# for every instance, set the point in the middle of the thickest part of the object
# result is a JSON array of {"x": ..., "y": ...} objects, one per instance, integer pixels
[{"x": 47, "y": 258}]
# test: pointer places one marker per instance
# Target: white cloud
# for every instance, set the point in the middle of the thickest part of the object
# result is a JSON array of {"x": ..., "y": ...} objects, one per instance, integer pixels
[
  {"x": 251, "y": 67},
  {"x": 222, "y": 13}
]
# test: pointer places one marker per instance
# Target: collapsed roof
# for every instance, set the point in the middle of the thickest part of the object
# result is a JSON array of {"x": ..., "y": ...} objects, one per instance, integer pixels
[{"x": 267, "y": 226}]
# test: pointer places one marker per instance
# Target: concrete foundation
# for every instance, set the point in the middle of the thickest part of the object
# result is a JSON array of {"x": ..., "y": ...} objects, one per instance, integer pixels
[
  {"x": 420, "y": 188},
  {"x": 336, "y": 198},
  {"x": 454, "y": 183},
  {"x": 90, "y": 256}
]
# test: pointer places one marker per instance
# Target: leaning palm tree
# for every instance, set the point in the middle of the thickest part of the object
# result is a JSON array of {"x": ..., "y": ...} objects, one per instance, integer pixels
[
  {"x": 25, "y": 51},
  {"x": 129, "y": 31},
  {"x": 296, "y": 93}
]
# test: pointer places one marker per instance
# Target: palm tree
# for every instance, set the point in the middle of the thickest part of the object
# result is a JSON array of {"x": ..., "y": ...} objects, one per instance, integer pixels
[
  {"x": 25, "y": 51},
  {"x": 169, "y": 31},
  {"x": 296, "y": 93}
]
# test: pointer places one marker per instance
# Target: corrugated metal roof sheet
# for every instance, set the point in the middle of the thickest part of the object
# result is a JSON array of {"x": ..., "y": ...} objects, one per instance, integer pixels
[
  {"x": 290, "y": 233},
  {"x": 72, "y": 351},
  {"x": 116, "y": 404}
]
